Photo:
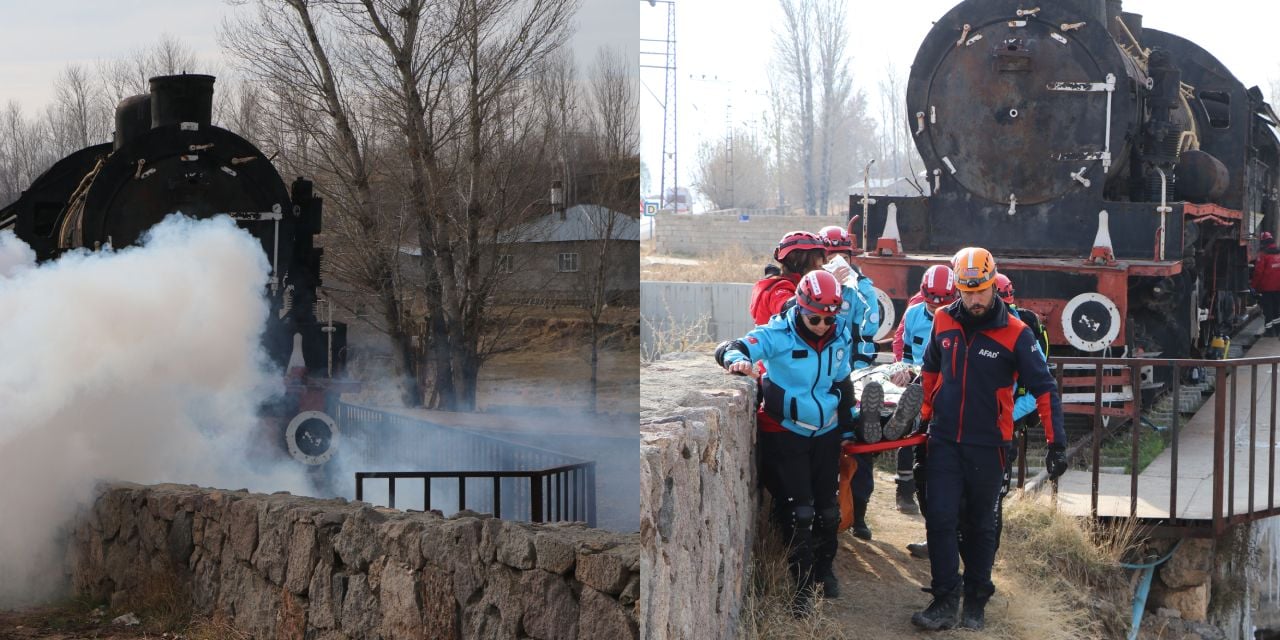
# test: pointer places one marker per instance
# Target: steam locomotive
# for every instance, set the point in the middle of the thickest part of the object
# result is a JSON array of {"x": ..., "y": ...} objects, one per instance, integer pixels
[
  {"x": 1121, "y": 175},
  {"x": 167, "y": 157}
]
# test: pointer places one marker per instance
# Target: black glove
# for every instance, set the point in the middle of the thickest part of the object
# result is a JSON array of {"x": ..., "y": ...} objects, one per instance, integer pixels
[
  {"x": 1055, "y": 461},
  {"x": 720, "y": 349}
]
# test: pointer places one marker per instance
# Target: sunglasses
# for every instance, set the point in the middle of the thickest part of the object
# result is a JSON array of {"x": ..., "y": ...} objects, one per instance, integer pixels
[{"x": 817, "y": 320}]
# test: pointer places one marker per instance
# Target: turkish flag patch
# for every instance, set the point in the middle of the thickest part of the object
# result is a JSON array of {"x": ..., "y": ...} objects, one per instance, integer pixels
[{"x": 753, "y": 341}]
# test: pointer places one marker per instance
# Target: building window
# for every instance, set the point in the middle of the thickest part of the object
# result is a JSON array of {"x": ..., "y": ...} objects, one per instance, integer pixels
[
  {"x": 568, "y": 263},
  {"x": 505, "y": 264}
]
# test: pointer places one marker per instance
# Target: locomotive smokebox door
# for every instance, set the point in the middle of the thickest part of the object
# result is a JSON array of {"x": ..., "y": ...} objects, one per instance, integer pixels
[{"x": 1014, "y": 108}]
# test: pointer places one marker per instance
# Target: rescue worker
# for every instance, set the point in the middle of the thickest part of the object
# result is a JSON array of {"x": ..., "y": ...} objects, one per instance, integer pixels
[
  {"x": 977, "y": 353},
  {"x": 1266, "y": 281},
  {"x": 937, "y": 288},
  {"x": 1024, "y": 409},
  {"x": 863, "y": 310},
  {"x": 799, "y": 252},
  {"x": 808, "y": 403}
]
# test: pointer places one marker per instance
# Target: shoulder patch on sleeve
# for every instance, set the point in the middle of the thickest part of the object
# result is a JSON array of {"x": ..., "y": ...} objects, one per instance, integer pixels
[{"x": 752, "y": 340}]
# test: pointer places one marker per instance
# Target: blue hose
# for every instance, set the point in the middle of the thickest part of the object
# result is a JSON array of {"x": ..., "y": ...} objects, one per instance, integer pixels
[{"x": 1144, "y": 587}]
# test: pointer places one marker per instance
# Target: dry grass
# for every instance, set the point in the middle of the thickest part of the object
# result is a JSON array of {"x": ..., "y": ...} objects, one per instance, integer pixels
[
  {"x": 670, "y": 336},
  {"x": 216, "y": 627},
  {"x": 765, "y": 615},
  {"x": 1063, "y": 573},
  {"x": 732, "y": 264},
  {"x": 162, "y": 603}
]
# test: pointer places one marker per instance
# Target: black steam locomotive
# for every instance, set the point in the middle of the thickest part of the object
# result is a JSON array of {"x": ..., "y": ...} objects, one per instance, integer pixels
[
  {"x": 167, "y": 157},
  {"x": 1121, "y": 175}
]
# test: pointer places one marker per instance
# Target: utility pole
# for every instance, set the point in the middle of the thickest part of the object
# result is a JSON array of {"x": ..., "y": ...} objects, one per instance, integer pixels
[{"x": 670, "y": 174}]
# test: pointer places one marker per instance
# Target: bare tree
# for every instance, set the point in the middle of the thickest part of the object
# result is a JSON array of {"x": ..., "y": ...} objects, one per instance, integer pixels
[
  {"x": 895, "y": 141},
  {"x": 615, "y": 129},
  {"x": 81, "y": 118},
  {"x": 444, "y": 87},
  {"x": 317, "y": 128},
  {"x": 795, "y": 63},
  {"x": 776, "y": 121},
  {"x": 836, "y": 88},
  {"x": 752, "y": 172}
]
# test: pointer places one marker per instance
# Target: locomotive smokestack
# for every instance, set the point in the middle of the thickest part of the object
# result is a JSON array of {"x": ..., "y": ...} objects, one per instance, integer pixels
[{"x": 181, "y": 98}]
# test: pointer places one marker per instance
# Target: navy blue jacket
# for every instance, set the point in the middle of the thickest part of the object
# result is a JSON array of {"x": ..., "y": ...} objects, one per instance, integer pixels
[{"x": 969, "y": 378}]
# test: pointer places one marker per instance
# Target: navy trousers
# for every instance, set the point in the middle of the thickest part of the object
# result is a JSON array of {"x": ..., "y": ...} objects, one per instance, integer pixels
[{"x": 963, "y": 496}]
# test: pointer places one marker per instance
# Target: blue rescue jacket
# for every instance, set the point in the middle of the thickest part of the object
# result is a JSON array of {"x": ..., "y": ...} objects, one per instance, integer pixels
[
  {"x": 917, "y": 326},
  {"x": 799, "y": 384},
  {"x": 863, "y": 310}
]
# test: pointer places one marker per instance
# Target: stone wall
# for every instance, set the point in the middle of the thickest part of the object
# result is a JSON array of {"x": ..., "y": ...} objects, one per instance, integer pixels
[
  {"x": 1212, "y": 588},
  {"x": 697, "y": 504},
  {"x": 281, "y": 566},
  {"x": 685, "y": 234}
]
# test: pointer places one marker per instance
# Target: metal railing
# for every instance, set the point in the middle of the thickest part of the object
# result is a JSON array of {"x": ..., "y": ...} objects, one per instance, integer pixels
[
  {"x": 560, "y": 494},
  {"x": 1115, "y": 405},
  {"x": 523, "y": 481}
]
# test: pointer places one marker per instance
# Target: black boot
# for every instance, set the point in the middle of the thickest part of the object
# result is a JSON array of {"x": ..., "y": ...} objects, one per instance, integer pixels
[
  {"x": 825, "y": 544},
  {"x": 907, "y": 495},
  {"x": 802, "y": 599},
  {"x": 942, "y": 613},
  {"x": 973, "y": 613},
  {"x": 860, "y": 528},
  {"x": 869, "y": 406},
  {"x": 904, "y": 414},
  {"x": 830, "y": 586}
]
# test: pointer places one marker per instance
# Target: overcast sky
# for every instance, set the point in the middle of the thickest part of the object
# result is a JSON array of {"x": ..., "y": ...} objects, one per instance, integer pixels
[
  {"x": 42, "y": 37},
  {"x": 724, "y": 47}
]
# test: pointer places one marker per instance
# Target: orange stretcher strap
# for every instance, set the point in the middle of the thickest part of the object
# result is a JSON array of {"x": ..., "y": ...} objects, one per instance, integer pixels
[{"x": 884, "y": 445}]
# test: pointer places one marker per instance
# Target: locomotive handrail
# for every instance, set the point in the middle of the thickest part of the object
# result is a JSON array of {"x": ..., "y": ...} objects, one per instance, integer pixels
[{"x": 1235, "y": 493}]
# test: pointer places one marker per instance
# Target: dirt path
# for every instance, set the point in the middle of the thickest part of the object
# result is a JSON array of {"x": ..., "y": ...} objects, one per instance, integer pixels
[
  {"x": 61, "y": 624},
  {"x": 880, "y": 582}
]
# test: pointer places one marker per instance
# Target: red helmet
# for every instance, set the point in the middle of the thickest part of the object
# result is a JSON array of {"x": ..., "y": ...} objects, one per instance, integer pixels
[
  {"x": 797, "y": 241},
  {"x": 819, "y": 292},
  {"x": 836, "y": 239},
  {"x": 1004, "y": 288},
  {"x": 938, "y": 286}
]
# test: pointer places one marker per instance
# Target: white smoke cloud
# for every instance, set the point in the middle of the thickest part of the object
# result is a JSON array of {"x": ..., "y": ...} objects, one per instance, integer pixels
[
  {"x": 15, "y": 255},
  {"x": 142, "y": 364}
]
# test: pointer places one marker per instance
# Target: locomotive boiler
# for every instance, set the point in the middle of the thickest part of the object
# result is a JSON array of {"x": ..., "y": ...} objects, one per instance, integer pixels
[
  {"x": 1120, "y": 174},
  {"x": 167, "y": 157}
]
